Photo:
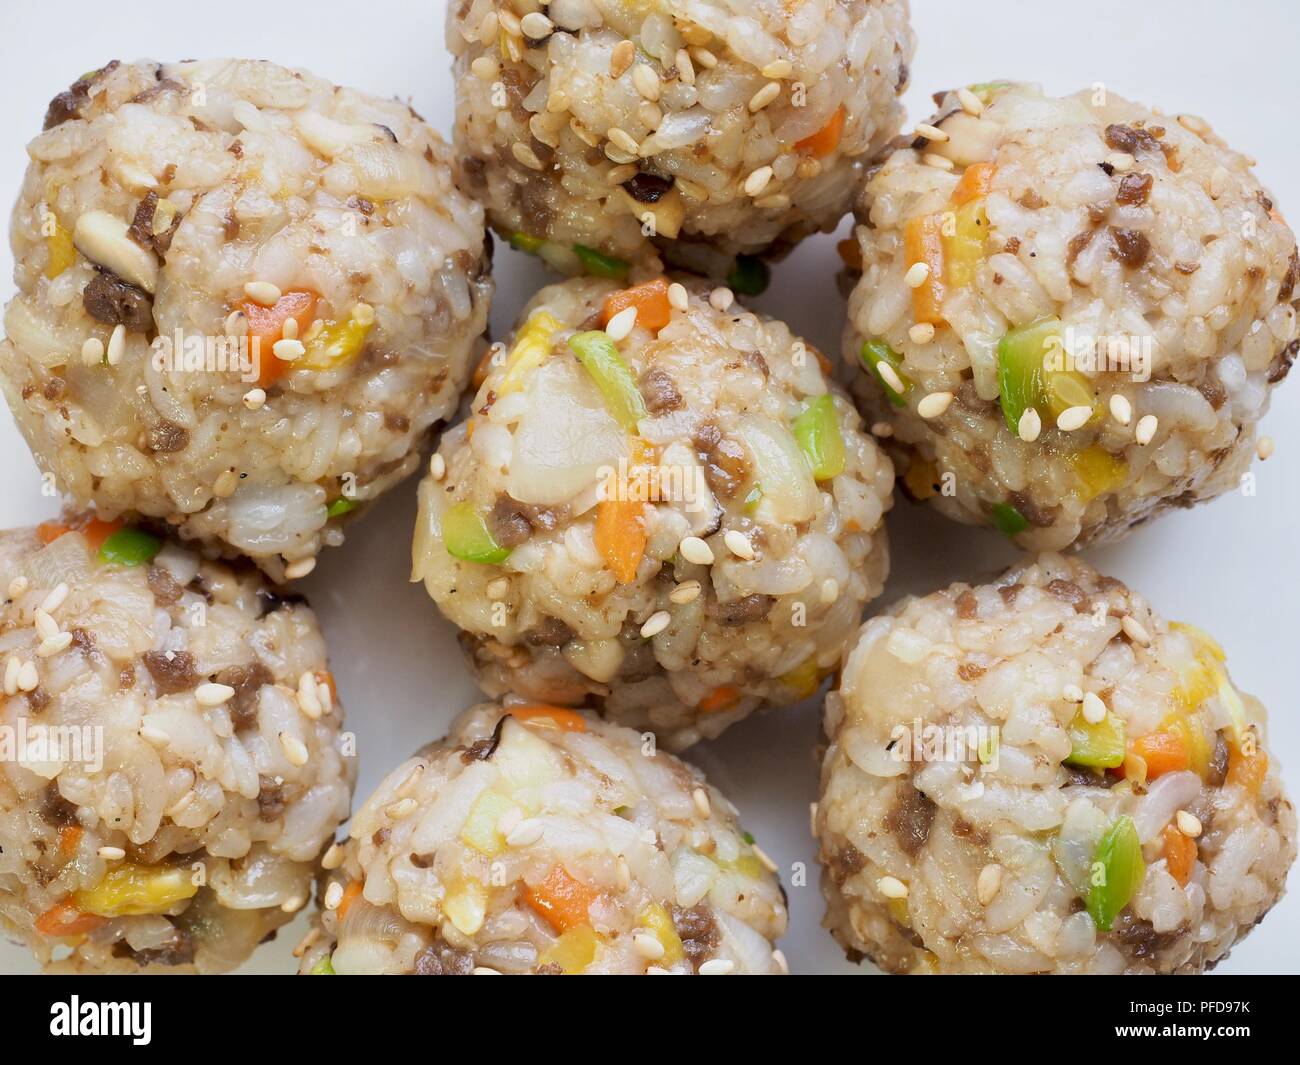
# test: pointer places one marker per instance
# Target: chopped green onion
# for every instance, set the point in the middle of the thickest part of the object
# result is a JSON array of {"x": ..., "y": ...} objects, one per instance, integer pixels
[
  {"x": 600, "y": 358},
  {"x": 747, "y": 838},
  {"x": 873, "y": 353},
  {"x": 1020, "y": 367},
  {"x": 324, "y": 967},
  {"x": 523, "y": 242},
  {"x": 130, "y": 547},
  {"x": 754, "y": 497},
  {"x": 1009, "y": 520},
  {"x": 1116, "y": 873},
  {"x": 749, "y": 276},
  {"x": 817, "y": 431},
  {"x": 466, "y": 536},
  {"x": 599, "y": 264},
  {"x": 1099, "y": 746},
  {"x": 341, "y": 506}
]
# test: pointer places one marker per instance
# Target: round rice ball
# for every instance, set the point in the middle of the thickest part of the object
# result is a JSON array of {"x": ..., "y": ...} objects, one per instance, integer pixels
[
  {"x": 1104, "y": 297},
  {"x": 1043, "y": 775},
  {"x": 673, "y": 527},
  {"x": 539, "y": 840},
  {"x": 245, "y": 297},
  {"x": 598, "y": 132},
  {"x": 172, "y": 764}
]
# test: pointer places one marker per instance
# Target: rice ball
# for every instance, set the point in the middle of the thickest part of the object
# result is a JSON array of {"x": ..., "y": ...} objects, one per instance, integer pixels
[
  {"x": 534, "y": 839},
  {"x": 172, "y": 760},
  {"x": 1043, "y": 775},
  {"x": 672, "y": 519},
  {"x": 1071, "y": 312},
  {"x": 599, "y": 133},
  {"x": 245, "y": 297}
]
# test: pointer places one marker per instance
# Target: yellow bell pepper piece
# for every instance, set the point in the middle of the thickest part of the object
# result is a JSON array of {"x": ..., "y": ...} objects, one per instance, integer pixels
[
  {"x": 135, "y": 890},
  {"x": 1098, "y": 469},
  {"x": 804, "y": 678},
  {"x": 532, "y": 346},
  {"x": 656, "y": 920},
  {"x": 965, "y": 246},
  {"x": 466, "y": 907},
  {"x": 62, "y": 252},
  {"x": 336, "y": 344},
  {"x": 480, "y": 831},
  {"x": 573, "y": 951}
]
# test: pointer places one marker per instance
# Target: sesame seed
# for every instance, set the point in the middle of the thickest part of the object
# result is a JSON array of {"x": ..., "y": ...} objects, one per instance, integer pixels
[
  {"x": 537, "y": 26},
  {"x": 830, "y": 590},
  {"x": 301, "y": 568},
  {"x": 970, "y": 103},
  {"x": 112, "y": 854},
  {"x": 255, "y": 398},
  {"x": 1135, "y": 631},
  {"x": 497, "y": 588},
  {"x": 333, "y": 895},
  {"x": 647, "y": 946},
  {"x": 1029, "y": 426},
  {"x": 294, "y": 749},
  {"x": 778, "y": 956},
  {"x": 509, "y": 22},
  {"x": 890, "y": 376},
  {"x": 1189, "y": 824},
  {"x": 891, "y": 887},
  {"x": 333, "y": 857},
  {"x": 780, "y": 68},
  {"x": 757, "y": 181},
  {"x": 29, "y": 678},
  {"x": 716, "y": 967},
  {"x": 646, "y": 81},
  {"x": 721, "y": 299},
  {"x": 18, "y": 586},
  {"x": 1094, "y": 710},
  {"x": 262, "y": 292},
  {"x": 1265, "y": 448},
  {"x": 701, "y": 799},
  {"x": 525, "y": 155},
  {"x": 54, "y": 644},
  {"x": 933, "y": 405},
  {"x": 622, "y": 139},
  {"x": 363, "y": 314},
  {"x": 92, "y": 351},
  {"x": 696, "y": 551},
  {"x": 325, "y": 696},
  {"x": 623, "y": 873},
  {"x": 1120, "y": 161},
  {"x": 765, "y": 96},
  {"x": 1121, "y": 409},
  {"x": 401, "y": 808},
  {"x": 917, "y": 275},
  {"x": 308, "y": 696},
  {"x": 526, "y": 833},
  {"x": 931, "y": 133},
  {"x": 921, "y": 333},
  {"x": 225, "y": 484},
  {"x": 621, "y": 324},
  {"x": 620, "y": 59},
  {"x": 704, "y": 57},
  {"x": 988, "y": 883},
  {"x": 294, "y": 904},
  {"x": 154, "y": 735},
  {"x": 45, "y": 625},
  {"x": 12, "y": 668},
  {"x": 213, "y": 694},
  {"x": 686, "y": 592},
  {"x": 685, "y": 69},
  {"x": 409, "y": 782},
  {"x": 939, "y": 162},
  {"x": 484, "y": 68},
  {"x": 655, "y": 624},
  {"x": 1072, "y": 693},
  {"x": 764, "y": 859},
  {"x": 621, "y": 174},
  {"x": 738, "y": 544},
  {"x": 116, "y": 345},
  {"x": 288, "y": 350},
  {"x": 437, "y": 467},
  {"x": 678, "y": 298},
  {"x": 1146, "y": 429},
  {"x": 1073, "y": 418}
]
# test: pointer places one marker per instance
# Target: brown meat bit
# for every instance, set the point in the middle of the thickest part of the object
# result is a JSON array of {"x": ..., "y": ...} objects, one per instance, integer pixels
[
  {"x": 725, "y": 465},
  {"x": 1281, "y": 366},
  {"x": 67, "y": 105},
  {"x": 549, "y": 969},
  {"x": 1213, "y": 391},
  {"x": 1076, "y": 246},
  {"x": 1134, "y": 189},
  {"x": 1218, "y": 770},
  {"x": 159, "y": 87},
  {"x": 141, "y": 230},
  {"x": 179, "y": 950},
  {"x": 659, "y": 391},
  {"x": 1111, "y": 584},
  {"x": 1290, "y": 277},
  {"x": 1130, "y": 140},
  {"x": 109, "y": 299},
  {"x": 910, "y": 818},
  {"x": 54, "y": 388},
  {"x": 756, "y": 360},
  {"x": 1185, "y": 268},
  {"x": 510, "y": 525},
  {"x": 167, "y": 438},
  {"x": 55, "y": 809},
  {"x": 126, "y": 678},
  {"x": 967, "y": 605},
  {"x": 381, "y": 836},
  {"x": 963, "y": 829},
  {"x": 1086, "y": 778},
  {"x": 171, "y": 675},
  {"x": 1131, "y": 247},
  {"x": 83, "y": 641},
  {"x": 697, "y": 930},
  {"x": 421, "y": 861},
  {"x": 247, "y": 682},
  {"x": 845, "y": 862},
  {"x": 1012, "y": 246},
  {"x": 360, "y": 203},
  {"x": 271, "y": 802},
  {"x": 1069, "y": 592},
  {"x": 163, "y": 585},
  {"x": 549, "y": 632},
  {"x": 743, "y": 611},
  {"x": 1009, "y": 592},
  {"x": 1141, "y": 938},
  {"x": 396, "y": 423},
  {"x": 482, "y": 750},
  {"x": 268, "y": 602},
  {"x": 1039, "y": 516},
  {"x": 647, "y": 188},
  {"x": 969, "y": 671},
  {"x": 1031, "y": 201},
  {"x": 441, "y": 959}
]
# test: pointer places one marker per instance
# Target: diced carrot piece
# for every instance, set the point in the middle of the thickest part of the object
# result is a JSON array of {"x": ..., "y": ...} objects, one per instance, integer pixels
[
  {"x": 562, "y": 900},
  {"x": 975, "y": 183},
  {"x": 1163, "y": 752},
  {"x": 923, "y": 243},
  {"x": 96, "y": 532},
  {"x": 826, "y": 139},
  {"x": 721, "y": 698},
  {"x": 552, "y": 716},
  {"x": 1247, "y": 769},
  {"x": 620, "y": 536},
  {"x": 69, "y": 838},
  {"x": 65, "y": 920},
  {"x": 350, "y": 895},
  {"x": 484, "y": 368},
  {"x": 650, "y": 298},
  {"x": 850, "y": 252},
  {"x": 49, "y": 531},
  {"x": 266, "y": 324},
  {"x": 1180, "y": 854}
]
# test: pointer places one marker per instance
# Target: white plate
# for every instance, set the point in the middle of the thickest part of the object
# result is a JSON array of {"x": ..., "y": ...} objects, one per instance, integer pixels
[{"x": 1232, "y": 567}]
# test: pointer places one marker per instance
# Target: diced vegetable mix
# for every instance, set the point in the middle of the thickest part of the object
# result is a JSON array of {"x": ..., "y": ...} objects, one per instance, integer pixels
[
  {"x": 600, "y": 358},
  {"x": 523, "y": 242},
  {"x": 817, "y": 431},
  {"x": 341, "y": 506},
  {"x": 975, "y": 183},
  {"x": 1020, "y": 367},
  {"x": 920, "y": 479},
  {"x": 1099, "y": 746},
  {"x": 130, "y": 890},
  {"x": 1098, "y": 470},
  {"x": 573, "y": 951},
  {"x": 653, "y": 311},
  {"x": 873, "y": 353},
  {"x": 599, "y": 264},
  {"x": 466, "y": 536},
  {"x": 1179, "y": 853},
  {"x": 805, "y": 678},
  {"x": 65, "y": 921},
  {"x": 749, "y": 276},
  {"x": 561, "y": 900},
  {"x": 480, "y": 829},
  {"x": 1009, "y": 520},
  {"x": 923, "y": 242},
  {"x": 266, "y": 325},
  {"x": 1116, "y": 874},
  {"x": 659, "y": 923},
  {"x": 1247, "y": 766},
  {"x": 1164, "y": 751},
  {"x": 337, "y": 343},
  {"x": 620, "y": 536},
  {"x": 129, "y": 547}
]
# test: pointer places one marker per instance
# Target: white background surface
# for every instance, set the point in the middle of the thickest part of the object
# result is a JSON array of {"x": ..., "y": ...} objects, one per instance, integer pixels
[{"x": 1232, "y": 567}]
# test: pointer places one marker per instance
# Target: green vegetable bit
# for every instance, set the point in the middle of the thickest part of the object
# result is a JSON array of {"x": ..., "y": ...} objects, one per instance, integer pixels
[
  {"x": 873, "y": 353},
  {"x": 747, "y": 838},
  {"x": 1099, "y": 746},
  {"x": 324, "y": 967},
  {"x": 1009, "y": 520},
  {"x": 1116, "y": 874},
  {"x": 754, "y": 497},
  {"x": 749, "y": 276},
  {"x": 600, "y": 358},
  {"x": 129, "y": 547},
  {"x": 341, "y": 506},
  {"x": 600, "y": 265},
  {"x": 817, "y": 431},
  {"x": 1020, "y": 367},
  {"x": 523, "y": 242},
  {"x": 467, "y": 536}
]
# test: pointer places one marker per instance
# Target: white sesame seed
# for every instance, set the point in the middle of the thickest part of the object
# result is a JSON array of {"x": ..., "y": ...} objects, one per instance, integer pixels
[
  {"x": 1029, "y": 426},
  {"x": 1120, "y": 161},
  {"x": 764, "y": 859},
  {"x": 1072, "y": 693},
  {"x": 255, "y": 398},
  {"x": 509, "y": 22},
  {"x": 12, "y": 668},
  {"x": 112, "y": 854},
  {"x": 704, "y": 57},
  {"x": 1135, "y": 631},
  {"x": 678, "y": 298},
  {"x": 621, "y": 324},
  {"x": 830, "y": 590},
  {"x": 933, "y": 405},
  {"x": 308, "y": 696},
  {"x": 721, "y": 299},
  {"x": 395, "y": 811},
  {"x": 537, "y": 26},
  {"x": 153, "y": 734},
  {"x": 262, "y": 292},
  {"x": 52, "y": 645},
  {"x": 717, "y": 967},
  {"x": 333, "y": 857},
  {"x": 1073, "y": 418},
  {"x": 621, "y": 58},
  {"x": 921, "y": 333},
  {"x": 1265, "y": 448},
  {"x": 288, "y": 350},
  {"x": 301, "y": 568},
  {"x": 437, "y": 467},
  {"x": 498, "y": 588},
  {"x": 757, "y": 181},
  {"x": 623, "y": 873},
  {"x": 765, "y": 96},
  {"x": 778, "y": 68},
  {"x": 1094, "y": 710},
  {"x": 701, "y": 799},
  {"x": 917, "y": 275},
  {"x": 293, "y": 904},
  {"x": 56, "y": 597},
  {"x": 116, "y": 345},
  {"x": 686, "y": 592},
  {"x": 988, "y": 883},
  {"x": 213, "y": 694},
  {"x": 92, "y": 351},
  {"x": 29, "y": 678},
  {"x": 655, "y": 624},
  {"x": 290, "y": 329},
  {"x": 696, "y": 551},
  {"x": 939, "y": 162},
  {"x": 524, "y": 154},
  {"x": 931, "y": 133},
  {"x": 647, "y": 946},
  {"x": 1189, "y": 824},
  {"x": 484, "y": 68},
  {"x": 685, "y": 68},
  {"x": 325, "y": 696},
  {"x": 890, "y": 376},
  {"x": 526, "y": 833},
  {"x": 1121, "y": 409},
  {"x": 970, "y": 103},
  {"x": 45, "y": 625},
  {"x": 738, "y": 544},
  {"x": 891, "y": 887},
  {"x": 624, "y": 140},
  {"x": 333, "y": 895},
  {"x": 1146, "y": 429},
  {"x": 619, "y": 175},
  {"x": 294, "y": 749},
  {"x": 646, "y": 81}
]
